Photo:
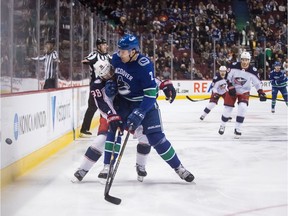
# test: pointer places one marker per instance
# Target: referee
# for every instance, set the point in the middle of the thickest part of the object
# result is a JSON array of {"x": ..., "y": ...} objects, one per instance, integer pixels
[
  {"x": 91, "y": 59},
  {"x": 50, "y": 65}
]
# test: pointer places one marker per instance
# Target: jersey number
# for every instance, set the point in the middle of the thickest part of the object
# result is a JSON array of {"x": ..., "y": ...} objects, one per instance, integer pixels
[{"x": 96, "y": 93}]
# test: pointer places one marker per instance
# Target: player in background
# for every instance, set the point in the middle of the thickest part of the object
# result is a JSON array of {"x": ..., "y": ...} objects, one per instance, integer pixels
[
  {"x": 219, "y": 89},
  {"x": 99, "y": 54},
  {"x": 104, "y": 103},
  {"x": 278, "y": 81},
  {"x": 239, "y": 79},
  {"x": 136, "y": 103}
]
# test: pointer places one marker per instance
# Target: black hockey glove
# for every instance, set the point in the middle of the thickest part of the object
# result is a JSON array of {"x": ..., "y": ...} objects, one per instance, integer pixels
[
  {"x": 262, "y": 95},
  {"x": 169, "y": 90},
  {"x": 216, "y": 96},
  {"x": 114, "y": 121},
  {"x": 135, "y": 119}
]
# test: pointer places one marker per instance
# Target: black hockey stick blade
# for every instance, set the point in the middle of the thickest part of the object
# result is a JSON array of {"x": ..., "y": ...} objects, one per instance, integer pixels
[
  {"x": 111, "y": 176},
  {"x": 112, "y": 199},
  {"x": 196, "y": 100}
]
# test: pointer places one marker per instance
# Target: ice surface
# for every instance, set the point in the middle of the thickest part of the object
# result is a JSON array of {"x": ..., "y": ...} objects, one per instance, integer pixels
[{"x": 232, "y": 177}]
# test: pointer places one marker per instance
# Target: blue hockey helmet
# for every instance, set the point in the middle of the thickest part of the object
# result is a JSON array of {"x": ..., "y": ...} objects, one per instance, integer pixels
[
  {"x": 277, "y": 64},
  {"x": 128, "y": 42}
]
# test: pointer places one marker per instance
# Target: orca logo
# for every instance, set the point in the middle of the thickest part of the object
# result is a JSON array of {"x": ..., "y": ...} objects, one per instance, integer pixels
[
  {"x": 132, "y": 38},
  {"x": 123, "y": 87}
]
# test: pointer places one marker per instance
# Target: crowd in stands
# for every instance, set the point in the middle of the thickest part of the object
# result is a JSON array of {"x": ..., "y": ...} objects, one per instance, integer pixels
[
  {"x": 33, "y": 24},
  {"x": 185, "y": 39},
  {"x": 176, "y": 22},
  {"x": 269, "y": 21}
]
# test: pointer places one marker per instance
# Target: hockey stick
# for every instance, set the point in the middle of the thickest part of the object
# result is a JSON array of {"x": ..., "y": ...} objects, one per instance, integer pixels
[
  {"x": 111, "y": 176},
  {"x": 256, "y": 96},
  {"x": 196, "y": 100}
]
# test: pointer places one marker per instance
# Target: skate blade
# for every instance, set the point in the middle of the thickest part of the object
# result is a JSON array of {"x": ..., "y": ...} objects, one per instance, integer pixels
[
  {"x": 140, "y": 178},
  {"x": 237, "y": 137},
  {"x": 85, "y": 136},
  {"x": 74, "y": 180}
]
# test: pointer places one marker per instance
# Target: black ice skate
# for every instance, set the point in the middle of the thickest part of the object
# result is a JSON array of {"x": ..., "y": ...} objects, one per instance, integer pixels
[
  {"x": 85, "y": 133},
  {"x": 184, "y": 174},
  {"x": 79, "y": 175},
  {"x": 221, "y": 130},
  {"x": 104, "y": 172},
  {"x": 237, "y": 134},
  {"x": 141, "y": 172}
]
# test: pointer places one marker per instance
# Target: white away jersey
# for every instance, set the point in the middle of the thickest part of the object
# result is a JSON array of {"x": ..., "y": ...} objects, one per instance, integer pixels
[
  {"x": 242, "y": 79},
  {"x": 219, "y": 85}
]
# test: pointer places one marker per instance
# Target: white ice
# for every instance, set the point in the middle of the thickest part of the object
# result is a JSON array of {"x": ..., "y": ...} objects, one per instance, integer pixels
[{"x": 232, "y": 177}]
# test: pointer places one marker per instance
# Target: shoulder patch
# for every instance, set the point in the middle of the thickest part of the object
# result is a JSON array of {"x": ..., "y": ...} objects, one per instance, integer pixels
[{"x": 143, "y": 61}]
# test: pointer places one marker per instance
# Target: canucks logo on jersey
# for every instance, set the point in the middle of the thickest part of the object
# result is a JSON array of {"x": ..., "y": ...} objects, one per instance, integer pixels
[{"x": 123, "y": 87}]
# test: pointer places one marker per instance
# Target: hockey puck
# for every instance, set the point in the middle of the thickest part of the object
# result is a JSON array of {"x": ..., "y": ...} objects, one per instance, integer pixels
[{"x": 8, "y": 141}]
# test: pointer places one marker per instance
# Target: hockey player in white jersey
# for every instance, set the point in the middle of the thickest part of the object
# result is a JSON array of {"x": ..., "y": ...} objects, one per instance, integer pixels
[
  {"x": 100, "y": 54},
  {"x": 219, "y": 89},
  {"x": 241, "y": 76}
]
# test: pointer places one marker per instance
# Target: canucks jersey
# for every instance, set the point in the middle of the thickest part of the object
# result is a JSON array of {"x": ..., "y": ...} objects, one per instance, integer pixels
[
  {"x": 278, "y": 79},
  {"x": 242, "y": 79},
  {"x": 219, "y": 85},
  {"x": 135, "y": 80}
]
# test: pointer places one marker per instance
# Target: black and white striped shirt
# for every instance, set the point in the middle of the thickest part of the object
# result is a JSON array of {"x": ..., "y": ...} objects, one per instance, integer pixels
[{"x": 49, "y": 64}]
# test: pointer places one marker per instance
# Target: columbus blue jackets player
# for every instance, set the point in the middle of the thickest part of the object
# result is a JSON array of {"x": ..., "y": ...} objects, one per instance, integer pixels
[
  {"x": 104, "y": 72},
  {"x": 136, "y": 102},
  {"x": 99, "y": 54},
  {"x": 278, "y": 81},
  {"x": 219, "y": 89},
  {"x": 239, "y": 79}
]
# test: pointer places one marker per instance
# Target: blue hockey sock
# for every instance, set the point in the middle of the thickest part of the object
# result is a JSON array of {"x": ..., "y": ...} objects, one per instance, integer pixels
[{"x": 164, "y": 149}]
